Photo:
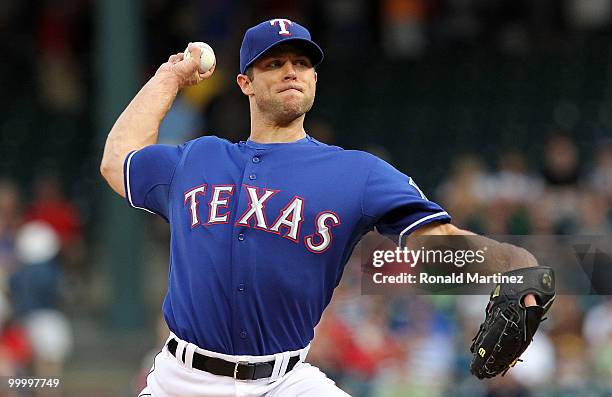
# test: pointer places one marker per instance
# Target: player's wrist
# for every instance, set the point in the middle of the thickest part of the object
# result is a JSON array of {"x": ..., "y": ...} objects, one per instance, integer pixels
[{"x": 168, "y": 79}]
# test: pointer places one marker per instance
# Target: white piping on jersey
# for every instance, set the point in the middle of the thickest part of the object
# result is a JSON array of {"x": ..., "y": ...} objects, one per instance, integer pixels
[
  {"x": 412, "y": 183},
  {"x": 129, "y": 190},
  {"x": 416, "y": 223}
]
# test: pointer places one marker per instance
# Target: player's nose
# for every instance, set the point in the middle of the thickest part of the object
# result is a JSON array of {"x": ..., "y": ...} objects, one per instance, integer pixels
[{"x": 289, "y": 71}]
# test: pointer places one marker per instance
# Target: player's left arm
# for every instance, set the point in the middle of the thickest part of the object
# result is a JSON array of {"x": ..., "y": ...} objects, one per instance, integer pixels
[
  {"x": 499, "y": 257},
  {"x": 514, "y": 311}
]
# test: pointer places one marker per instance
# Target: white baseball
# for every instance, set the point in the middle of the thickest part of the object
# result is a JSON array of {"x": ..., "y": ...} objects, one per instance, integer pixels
[{"x": 207, "y": 59}]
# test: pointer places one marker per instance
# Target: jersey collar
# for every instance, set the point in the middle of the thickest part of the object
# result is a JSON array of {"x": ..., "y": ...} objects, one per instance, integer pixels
[{"x": 307, "y": 140}]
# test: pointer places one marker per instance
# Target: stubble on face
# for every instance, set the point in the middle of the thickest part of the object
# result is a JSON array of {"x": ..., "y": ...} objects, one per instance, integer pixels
[{"x": 284, "y": 107}]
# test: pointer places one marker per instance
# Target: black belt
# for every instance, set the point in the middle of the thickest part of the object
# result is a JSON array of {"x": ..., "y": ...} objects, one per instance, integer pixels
[{"x": 240, "y": 370}]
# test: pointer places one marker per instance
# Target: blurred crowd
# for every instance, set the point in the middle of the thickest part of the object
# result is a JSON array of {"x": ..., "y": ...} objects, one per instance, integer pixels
[
  {"x": 567, "y": 195},
  {"x": 41, "y": 251}
]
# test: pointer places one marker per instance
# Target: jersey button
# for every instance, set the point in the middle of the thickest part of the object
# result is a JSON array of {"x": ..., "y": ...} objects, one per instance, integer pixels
[
  {"x": 241, "y": 237},
  {"x": 256, "y": 159},
  {"x": 243, "y": 334},
  {"x": 252, "y": 177},
  {"x": 241, "y": 287}
]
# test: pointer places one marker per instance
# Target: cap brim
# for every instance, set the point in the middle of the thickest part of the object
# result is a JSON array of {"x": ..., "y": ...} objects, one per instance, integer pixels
[{"x": 314, "y": 52}]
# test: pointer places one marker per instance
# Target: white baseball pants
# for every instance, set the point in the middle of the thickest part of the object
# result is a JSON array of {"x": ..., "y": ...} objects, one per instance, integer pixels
[{"x": 170, "y": 377}]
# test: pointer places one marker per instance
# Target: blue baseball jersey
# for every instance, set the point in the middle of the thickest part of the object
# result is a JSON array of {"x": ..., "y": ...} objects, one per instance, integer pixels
[{"x": 260, "y": 233}]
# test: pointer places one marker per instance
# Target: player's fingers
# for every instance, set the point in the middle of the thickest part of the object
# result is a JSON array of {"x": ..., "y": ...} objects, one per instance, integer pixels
[
  {"x": 176, "y": 58},
  {"x": 195, "y": 51},
  {"x": 530, "y": 300},
  {"x": 187, "y": 67},
  {"x": 209, "y": 72},
  {"x": 173, "y": 59}
]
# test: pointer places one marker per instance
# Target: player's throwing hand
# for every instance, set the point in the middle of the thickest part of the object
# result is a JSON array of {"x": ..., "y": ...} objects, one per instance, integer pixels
[{"x": 185, "y": 70}]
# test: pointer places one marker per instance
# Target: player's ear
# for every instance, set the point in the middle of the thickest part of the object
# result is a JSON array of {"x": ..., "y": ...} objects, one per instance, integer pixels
[
  {"x": 316, "y": 76},
  {"x": 245, "y": 84}
]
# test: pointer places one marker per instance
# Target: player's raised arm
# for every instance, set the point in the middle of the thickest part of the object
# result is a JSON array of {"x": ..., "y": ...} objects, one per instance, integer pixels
[{"x": 138, "y": 125}]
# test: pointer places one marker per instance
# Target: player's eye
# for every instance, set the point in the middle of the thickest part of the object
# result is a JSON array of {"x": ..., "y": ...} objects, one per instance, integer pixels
[
  {"x": 274, "y": 64},
  {"x": 303, "y": 62}
]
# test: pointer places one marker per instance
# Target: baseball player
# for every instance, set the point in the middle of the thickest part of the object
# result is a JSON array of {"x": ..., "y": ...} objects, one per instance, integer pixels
[{"x": 260, "y": 229}]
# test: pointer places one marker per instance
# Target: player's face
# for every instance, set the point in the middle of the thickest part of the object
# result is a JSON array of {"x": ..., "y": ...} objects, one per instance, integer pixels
[{"x": 284, "y": 83}]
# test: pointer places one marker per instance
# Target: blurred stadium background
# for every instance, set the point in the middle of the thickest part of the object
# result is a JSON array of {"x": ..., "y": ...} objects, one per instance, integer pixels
[{"x": 500, "y": 109}]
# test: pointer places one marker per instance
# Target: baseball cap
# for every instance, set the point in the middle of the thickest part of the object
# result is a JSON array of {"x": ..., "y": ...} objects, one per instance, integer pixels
[{"x": 260, "y": 38}]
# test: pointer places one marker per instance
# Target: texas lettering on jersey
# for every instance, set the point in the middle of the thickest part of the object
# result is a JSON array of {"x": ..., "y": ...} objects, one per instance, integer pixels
[{"x": 287, "y": 223}]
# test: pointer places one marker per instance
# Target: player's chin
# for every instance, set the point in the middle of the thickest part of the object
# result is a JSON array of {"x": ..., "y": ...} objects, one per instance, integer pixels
[
  {"x": 297, "y": 109},
  {"x": 300, "y": 101},
  {"x": 290, "y": 112}
]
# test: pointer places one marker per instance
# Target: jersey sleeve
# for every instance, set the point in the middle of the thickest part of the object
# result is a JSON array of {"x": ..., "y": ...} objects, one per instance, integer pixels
[
  {"x": 147, "y": 175},
  {"x": 395, "y": 203}
]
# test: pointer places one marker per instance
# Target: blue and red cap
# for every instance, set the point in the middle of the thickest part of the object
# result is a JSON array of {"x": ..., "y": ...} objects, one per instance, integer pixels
[{"x": 260, "y": 38}]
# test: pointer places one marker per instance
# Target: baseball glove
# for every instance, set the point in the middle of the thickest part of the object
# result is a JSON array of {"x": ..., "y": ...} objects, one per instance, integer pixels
[{"x": 509, "y": 326}]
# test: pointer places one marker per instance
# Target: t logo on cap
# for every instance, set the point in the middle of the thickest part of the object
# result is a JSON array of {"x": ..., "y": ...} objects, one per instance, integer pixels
[
  {"x": 283, "y": 26},
  {"x": 265, "y": 35}
]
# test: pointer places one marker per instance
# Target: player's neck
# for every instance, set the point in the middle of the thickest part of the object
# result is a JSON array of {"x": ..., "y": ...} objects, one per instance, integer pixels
[{"x": 265, "y": 131}]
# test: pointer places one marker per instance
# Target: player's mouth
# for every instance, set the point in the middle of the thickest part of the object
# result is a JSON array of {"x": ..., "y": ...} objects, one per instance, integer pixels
[{"x": 291, "y": 87}]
